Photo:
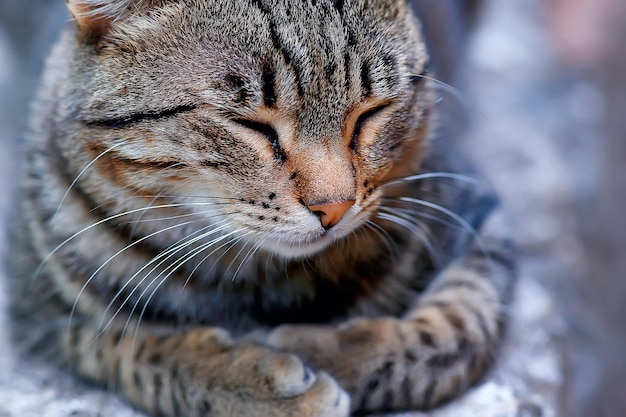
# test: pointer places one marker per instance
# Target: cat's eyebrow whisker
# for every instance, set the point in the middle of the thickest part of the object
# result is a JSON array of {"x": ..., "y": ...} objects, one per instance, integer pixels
[
  {"x": 453, "y": 91},
  {"x": 430, "y": 175},
  {"x": 416, "y": 230},
  {"x": 80, "y": 174}
]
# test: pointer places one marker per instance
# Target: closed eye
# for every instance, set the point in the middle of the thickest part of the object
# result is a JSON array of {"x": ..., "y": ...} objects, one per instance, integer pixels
[
  {"x": 360, "y": 122},
  {"x": 269, "y": 132}
]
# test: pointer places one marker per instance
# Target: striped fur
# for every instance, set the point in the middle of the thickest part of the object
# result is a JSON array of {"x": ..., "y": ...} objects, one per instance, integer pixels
[{"x": 163, "y": 244}]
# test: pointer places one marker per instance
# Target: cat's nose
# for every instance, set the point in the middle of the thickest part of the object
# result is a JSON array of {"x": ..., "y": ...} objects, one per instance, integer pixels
[{"x": 331, "y": 213}]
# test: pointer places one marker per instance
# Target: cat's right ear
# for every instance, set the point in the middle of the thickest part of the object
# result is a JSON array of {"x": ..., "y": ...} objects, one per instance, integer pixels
[{"x": 94, "y": 18}]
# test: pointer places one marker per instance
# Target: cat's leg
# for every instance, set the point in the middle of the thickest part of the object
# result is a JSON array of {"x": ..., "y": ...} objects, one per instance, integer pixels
[
  {"x": 201, "y": 373},
  {"x": 444, "y": 344}
]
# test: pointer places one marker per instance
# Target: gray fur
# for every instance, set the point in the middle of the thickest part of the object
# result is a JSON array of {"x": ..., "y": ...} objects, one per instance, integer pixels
[{"x": 176, "y": 148}]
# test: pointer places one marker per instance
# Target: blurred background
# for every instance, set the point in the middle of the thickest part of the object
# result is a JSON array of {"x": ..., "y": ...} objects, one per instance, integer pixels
[{"x": 544, "y": 87}]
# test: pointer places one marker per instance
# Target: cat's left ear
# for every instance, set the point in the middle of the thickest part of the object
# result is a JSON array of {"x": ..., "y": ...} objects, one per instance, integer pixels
[{"x": 94, "y": 18}]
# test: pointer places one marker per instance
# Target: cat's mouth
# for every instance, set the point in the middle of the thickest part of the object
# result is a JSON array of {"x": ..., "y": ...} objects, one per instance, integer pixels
[
  {"x": 299, "y": 250},
  {"x": 308, "y": 245}
]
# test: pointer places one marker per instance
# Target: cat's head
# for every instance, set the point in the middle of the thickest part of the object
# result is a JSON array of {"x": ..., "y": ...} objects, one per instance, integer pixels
[{"x": 286, "y": 115}]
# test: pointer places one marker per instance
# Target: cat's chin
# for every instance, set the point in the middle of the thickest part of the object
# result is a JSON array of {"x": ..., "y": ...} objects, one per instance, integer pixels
[{"x": 300, "y": 250}]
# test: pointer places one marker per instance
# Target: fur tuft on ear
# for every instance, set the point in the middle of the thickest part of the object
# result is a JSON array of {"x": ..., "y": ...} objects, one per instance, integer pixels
[
  {"x": 103, "y": 9},
  {"x": 94, "y": 17}
]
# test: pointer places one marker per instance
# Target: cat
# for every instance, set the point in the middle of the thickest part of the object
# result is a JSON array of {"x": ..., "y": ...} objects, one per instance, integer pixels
[{"x": 249, "y": 208}]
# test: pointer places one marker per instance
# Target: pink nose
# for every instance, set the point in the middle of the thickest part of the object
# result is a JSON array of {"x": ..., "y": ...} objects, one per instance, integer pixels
[{"x": 331, "y": 213}]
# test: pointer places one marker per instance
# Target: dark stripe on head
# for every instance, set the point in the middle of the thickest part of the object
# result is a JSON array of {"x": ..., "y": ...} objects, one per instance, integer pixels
[
  {"x": 366, "y": 80},
  {"x": 269, "y": 90},
  {"x": 330, "y": 69},
  {"x": 124, "y": 121},
  {"x": 144, "y": 164},
  {"x": 391, "y": 68},
  {"x": 338, "y": 4},
  {"x": 278, "y": 44},
  {"x": 346, "y": 66},
  {"x": 238, "y": 84}
]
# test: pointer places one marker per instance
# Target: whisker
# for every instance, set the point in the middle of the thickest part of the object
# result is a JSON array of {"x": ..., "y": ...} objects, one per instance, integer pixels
[
  {"x": 452, "y": 215},
  {"x": 384, "y": 236},
  {"x": 134, "y": 228},
  {"x": 249, "y": 256},
  {"x": 180, "y": 216},
  {"x": 429, "y": 175},
  {"x": 413, "y": 212},
  {"x": 193, "y": 271},
  {"x": 99, "y": 222},
  {"x": 92, "y": 276},
  {"x": 232, "y": 262},
  {"x": 167, "y": 254},
  {"x": 89, "y": 165},
  {"x": 453, "y": 91},
  {"x": 173, "y": 268},
  {"x": 417, "y": 231}
]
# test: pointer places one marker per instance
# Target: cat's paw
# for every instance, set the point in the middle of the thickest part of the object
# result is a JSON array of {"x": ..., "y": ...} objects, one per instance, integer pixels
[
  {"x": 256, "y": 380},
  {"x": 324, "y": 398}
]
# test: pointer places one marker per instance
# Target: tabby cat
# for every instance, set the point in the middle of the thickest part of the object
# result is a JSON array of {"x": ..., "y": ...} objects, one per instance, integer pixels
[{"x": 247, "y": 208}]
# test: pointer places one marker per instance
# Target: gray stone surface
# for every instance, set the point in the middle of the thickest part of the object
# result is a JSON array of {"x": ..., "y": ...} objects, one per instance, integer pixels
[{"x": 518, "y": 103}]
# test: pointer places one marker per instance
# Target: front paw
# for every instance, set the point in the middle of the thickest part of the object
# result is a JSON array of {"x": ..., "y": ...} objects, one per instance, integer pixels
[{"x": 254, "y": 380}]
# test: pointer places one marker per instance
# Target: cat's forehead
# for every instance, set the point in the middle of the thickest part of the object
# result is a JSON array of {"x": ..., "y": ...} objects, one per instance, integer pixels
[
  {"x": 307, "y": 55},
  {"x": 319, "y": 49},
  {"x": 315, "y": 34}
]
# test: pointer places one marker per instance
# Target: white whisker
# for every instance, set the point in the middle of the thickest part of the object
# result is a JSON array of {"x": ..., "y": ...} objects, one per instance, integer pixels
[
  {"x": 173, "y": 268},
  {"x": 100, "y": 222},
  {"x": 67, "y": 192},
  {"x": 384, "y": 236},
  {"x": 165, "y": 255},
  {"x": 92, "y": 276},
  {"x": 413, "y": 212},
  {"x": 452, "y": 215},
  {"x": 429, "y": 175},
  {"x": 248, "y": 256},
  {"x": 193, "y": 271},
  {"x": 455, "y": 92},
  {"x": 416, "y": 230}
]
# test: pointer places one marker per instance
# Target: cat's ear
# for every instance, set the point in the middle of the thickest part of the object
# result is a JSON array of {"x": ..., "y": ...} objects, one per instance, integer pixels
[{"x": 95, "y": 18}]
